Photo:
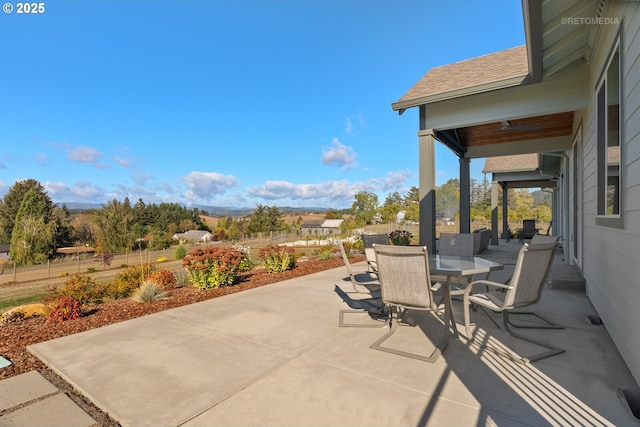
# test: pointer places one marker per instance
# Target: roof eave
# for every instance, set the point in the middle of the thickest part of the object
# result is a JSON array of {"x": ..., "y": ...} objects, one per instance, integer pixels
[
  {"x": 471, "y": 90},
  {"x": 532, "y": 17}
]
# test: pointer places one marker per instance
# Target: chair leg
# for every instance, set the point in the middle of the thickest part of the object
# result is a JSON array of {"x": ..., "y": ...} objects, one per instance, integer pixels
[
  {"x": 549, "y": 323},
  {"x": 553, "y": 350},
  {"x": 378, "y": 313},
  {"x": 394, "y": 320}
]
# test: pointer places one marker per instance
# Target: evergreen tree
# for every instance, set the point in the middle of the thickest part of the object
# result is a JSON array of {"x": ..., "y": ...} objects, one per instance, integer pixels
[
  {"x": 10, "y": 204},
  {"x": 33, "y": 235},
  {"x": 113, "y": 227},
  {"x": 265, "y": 219}
]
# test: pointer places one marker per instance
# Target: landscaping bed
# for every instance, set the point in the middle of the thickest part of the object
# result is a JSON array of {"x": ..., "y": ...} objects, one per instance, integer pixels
[{"x": 16, "y": 336}]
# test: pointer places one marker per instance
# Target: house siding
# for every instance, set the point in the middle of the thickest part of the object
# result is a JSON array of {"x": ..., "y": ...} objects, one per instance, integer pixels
[{"x": 611, "y": 256}]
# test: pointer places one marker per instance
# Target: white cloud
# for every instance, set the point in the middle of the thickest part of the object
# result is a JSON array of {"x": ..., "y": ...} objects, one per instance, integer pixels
[
  {"x": 79, "y": 192},
  {"x": 84, "y": 154},
  {"x": 41, "y": 159},
  {"x": 330, "y": 193},
  {"x": 339, "y": 154},
  {"x": 354, "y": 124},
  {"x": 395, "y": 180},
  {"x": 123, "y": 162},
  {"x": 204, "y": 186}
]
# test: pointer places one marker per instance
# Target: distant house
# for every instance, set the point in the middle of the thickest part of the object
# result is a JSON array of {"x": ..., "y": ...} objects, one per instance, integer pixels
[
  {"x": 195, "y": 236},
  {"x": 320, "y": 227},
  {"x": 4, "y": 252},
  {"x": 74, "y": 251}
]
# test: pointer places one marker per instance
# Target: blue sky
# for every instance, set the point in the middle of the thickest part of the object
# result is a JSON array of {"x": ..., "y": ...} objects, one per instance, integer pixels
[{"x": 230, "y": 103}]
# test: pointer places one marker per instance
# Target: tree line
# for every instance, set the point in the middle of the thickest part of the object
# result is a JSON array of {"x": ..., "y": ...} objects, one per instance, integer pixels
[{"x": 36, "y": 228}]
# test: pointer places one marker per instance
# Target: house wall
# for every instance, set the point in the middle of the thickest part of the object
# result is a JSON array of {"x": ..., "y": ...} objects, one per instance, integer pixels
[{"x": 611, "y": 256}]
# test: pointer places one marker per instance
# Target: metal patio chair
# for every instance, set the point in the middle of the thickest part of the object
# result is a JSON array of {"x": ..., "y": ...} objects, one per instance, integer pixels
[
  {"x": 406, "y": 285},
  {"x": 369, "y": 240},
  {"x": 455, "y": 244},
  {"x": 528, "y": 229},
  {"x": 523, "y": 289},
  {"x": 365, "y": 283}
]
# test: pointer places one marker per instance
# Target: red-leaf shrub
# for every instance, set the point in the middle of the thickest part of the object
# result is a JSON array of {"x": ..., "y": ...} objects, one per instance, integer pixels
[
  {"x": 212, "y": 267},
  {"x": 165, "y": 279},
  {"x": 64, "y": 308}
]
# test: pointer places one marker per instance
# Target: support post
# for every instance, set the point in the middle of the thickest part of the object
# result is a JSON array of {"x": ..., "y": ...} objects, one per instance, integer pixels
[
  {"x": 505, "y": 209},
  {"x": 465, "y": 195},
  {"x": 427, "y": 186},
  {"x": 494, "y": 212}
]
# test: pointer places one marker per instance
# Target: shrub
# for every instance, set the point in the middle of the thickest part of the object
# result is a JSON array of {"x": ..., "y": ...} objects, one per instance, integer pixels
[
  {"x": 276, "y": 258},
  {"x": 181, "y": 278},
  {"x": 358, "y": 244},
  {"x": 400, "y": 237},
  {"x": 149, "y": 291},
  {"x": 64, "y": 308},
  {"x": 91, "y": 270},
  {"x": 246, "y": 264},
  {"x": 164, "y": 278},
  {"x": 128, "y": 280},
  {"x": 324, "y": 253},
  {"x": 105, "y": 259},
  {"x": 180, "y": 252},
  {"x": 83, "y": 288},
  {"x": 209, "y": 268}
]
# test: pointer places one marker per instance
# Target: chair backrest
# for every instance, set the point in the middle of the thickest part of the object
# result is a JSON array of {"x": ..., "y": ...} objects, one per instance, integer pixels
[
  {"x": 530, "y": 274},
  {"x": 369, "y": 239},
  {"x": 456, "y": 244},
  {"x": 404, "y": 274},
  {"x": 539, "y": 239},
  {"x": 529, "y": 226},
  {"x": 345, "y": 258}
]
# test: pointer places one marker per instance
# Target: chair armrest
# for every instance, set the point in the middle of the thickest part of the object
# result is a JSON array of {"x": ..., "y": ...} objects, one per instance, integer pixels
[{"x": 488, "y": 283}]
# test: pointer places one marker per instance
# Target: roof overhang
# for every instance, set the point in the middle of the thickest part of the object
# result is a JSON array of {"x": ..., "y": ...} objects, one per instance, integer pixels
[{"x": 553, "y": 86}]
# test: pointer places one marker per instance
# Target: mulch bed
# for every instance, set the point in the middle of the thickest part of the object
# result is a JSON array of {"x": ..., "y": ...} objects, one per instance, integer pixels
[{"x": 16, "y": 336}]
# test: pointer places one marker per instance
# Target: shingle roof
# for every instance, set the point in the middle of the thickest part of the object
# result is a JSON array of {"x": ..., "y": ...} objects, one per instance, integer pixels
[
  {"x": 473, "y": 73},
  {"x": 517, "y": 163}
]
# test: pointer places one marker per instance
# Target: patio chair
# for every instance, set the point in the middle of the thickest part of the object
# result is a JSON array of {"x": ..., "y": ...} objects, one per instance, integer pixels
[
  {"x": 369, "y": 240},
  {"x": 523, "y": 289},
  {"x": 404, "y": 275},
  {"x": 528, "y": 229},
  {"x": 508, "y": 234},
  {"x": 363, "y": 283},
  {"x": 455, "y": 245}
]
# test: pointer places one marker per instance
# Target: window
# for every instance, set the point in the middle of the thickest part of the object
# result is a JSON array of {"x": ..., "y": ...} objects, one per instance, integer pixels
[{"x": 608, "y": 125}]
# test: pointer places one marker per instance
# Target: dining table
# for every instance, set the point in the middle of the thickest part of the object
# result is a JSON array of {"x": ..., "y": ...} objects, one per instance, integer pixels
[{"x": 459, "y": 266}]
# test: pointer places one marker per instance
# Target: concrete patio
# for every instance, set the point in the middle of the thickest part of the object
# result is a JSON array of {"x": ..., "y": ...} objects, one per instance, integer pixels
[{"x": 275, "y": 356}]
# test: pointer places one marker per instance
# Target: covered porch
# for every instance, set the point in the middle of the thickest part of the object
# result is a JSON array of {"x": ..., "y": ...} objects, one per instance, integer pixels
[{"x": 274, "y": 356}]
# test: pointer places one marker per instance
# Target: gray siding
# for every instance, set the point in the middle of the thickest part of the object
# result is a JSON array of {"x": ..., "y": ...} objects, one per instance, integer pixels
[{"x": 611, "y": 257}]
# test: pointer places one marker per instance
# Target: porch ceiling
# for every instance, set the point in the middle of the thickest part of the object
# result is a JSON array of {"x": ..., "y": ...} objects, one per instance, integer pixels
[{"x": 517, "y": 130}]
